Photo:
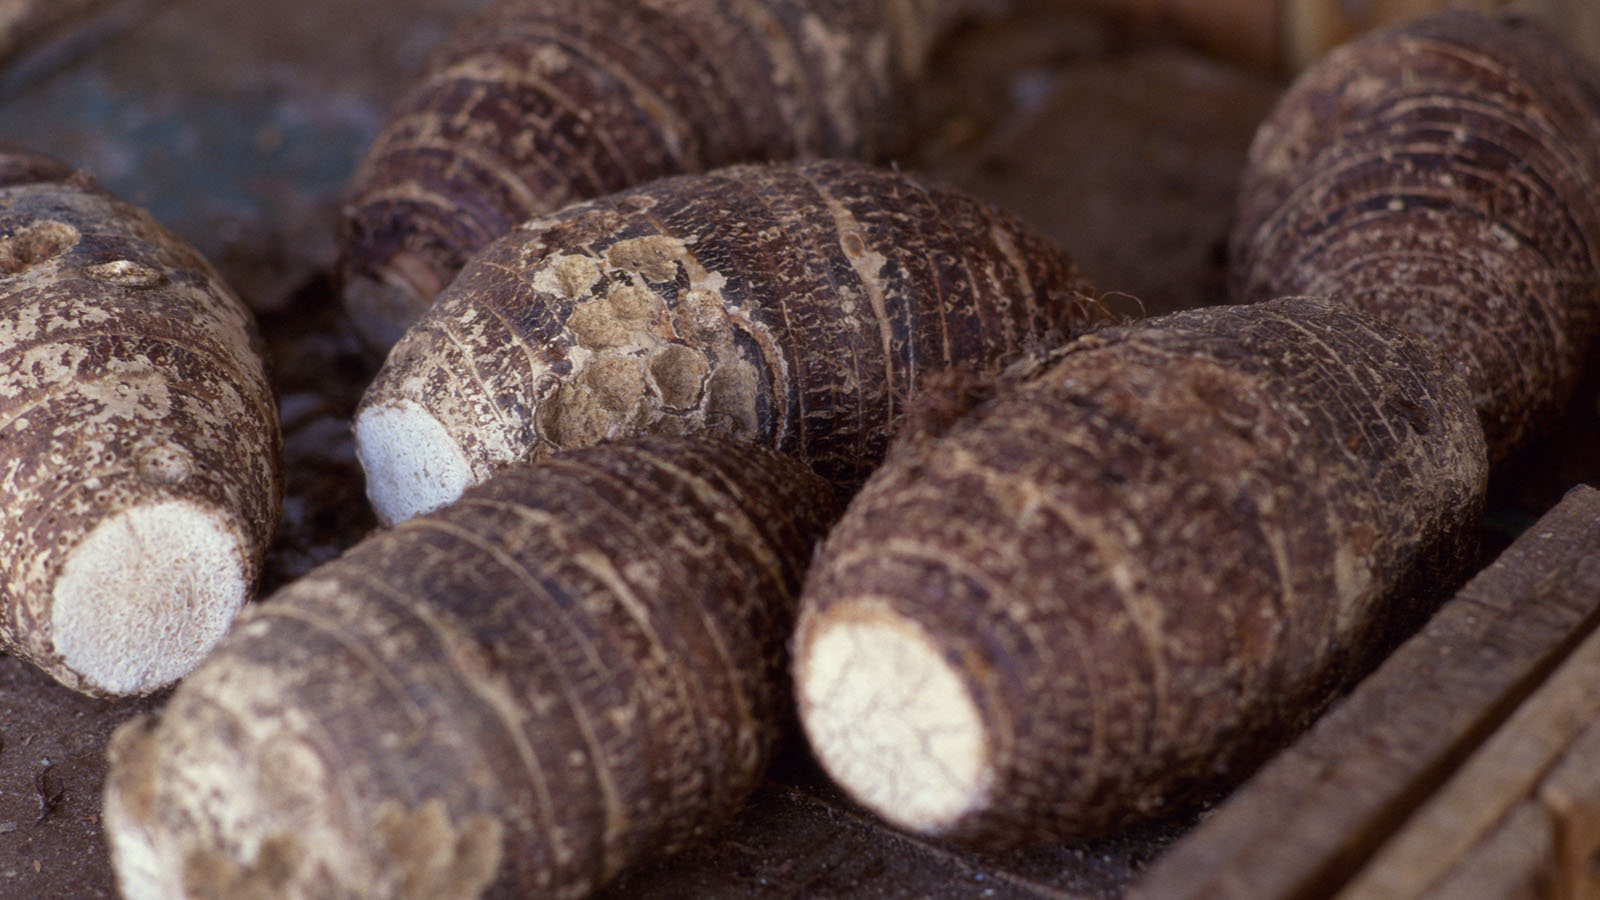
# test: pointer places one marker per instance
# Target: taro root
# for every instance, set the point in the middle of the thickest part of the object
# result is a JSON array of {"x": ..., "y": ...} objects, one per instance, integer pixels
[
  {"x": 1135, "y": 570},
  {"x": 1444, "y": 176},
  {"x": 537, "y": 104},
  {"x": 579, "y": 664},
  {"x": 1292, "y": 34},
  {"x": 140, "y": 459},
  {"x": 795, "y": 306}
]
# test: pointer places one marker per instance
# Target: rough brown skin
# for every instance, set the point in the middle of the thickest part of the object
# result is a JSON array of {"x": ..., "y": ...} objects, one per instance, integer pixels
[
  {"x": 1127, "y": 577},
  {"x": 537, "y": 104},
  {"x": 1289, "y": 35},
  {"x": 796, "y": 306},
  {"x": 140, "y": 459},
  {"x": 578, "y": 664},
  {"x": 1444, "y": 176}
]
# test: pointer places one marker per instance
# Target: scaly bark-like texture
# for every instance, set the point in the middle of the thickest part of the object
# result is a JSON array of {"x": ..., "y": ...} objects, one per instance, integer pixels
[
  {"x": 1444, "y": 176},
  {"x": 1128, "y": 576},
  {"x": 578, "y": 664},
  {"x": 796, "y": 306},
  {"x": 140, "y": 460},
  {"x": 540, "y": 103},
  {"x": 1290, "y": 35}
]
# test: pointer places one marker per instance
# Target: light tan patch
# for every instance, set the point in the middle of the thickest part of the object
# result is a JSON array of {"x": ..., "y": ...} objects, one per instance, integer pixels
[
  {"x": 617, "y": 381},
  {"x": 573, "y": 417},
  {"x": 434, "y": 859},
  {"x": 699, "y": 316},
  {"x": 632, "y": 303},
  {"x": 210, "y": 875},
  {"x": 594, "y": 326},
  {"x": 165, "y": 464},
  {"x": 655, "y": 257},
  {"x": 569, "y": 275},
  {"x": 679, "y": 373},
  {"x": 40, "y": 242},
  {"x": 125, "y": 273}
]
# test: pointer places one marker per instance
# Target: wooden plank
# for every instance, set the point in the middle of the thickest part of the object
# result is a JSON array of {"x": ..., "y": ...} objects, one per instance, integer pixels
[
  {"x": 1308, "y": 821},
  {"x": 1446, "y": 831},
  {"x": 1571, "y": 796},
  {"x": 1542, "y": 770},
  {"x": 1516, "y": 861}
]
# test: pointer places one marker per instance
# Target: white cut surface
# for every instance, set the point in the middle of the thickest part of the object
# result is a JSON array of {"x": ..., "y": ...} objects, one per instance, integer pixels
[
  {"x": 146, "y": 595},
  {"x": 412, "y": 464},
  {"x": 892, "y": 721}
]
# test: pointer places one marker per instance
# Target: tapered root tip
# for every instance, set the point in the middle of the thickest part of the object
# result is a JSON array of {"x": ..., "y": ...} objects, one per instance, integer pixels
[
  {"x": 892, "y": 720},
  {"x": 146, "y": 595},
  {"x": 382, "y": 310},
  {"x": 413, "y": 466},
  {"x": 385, "y": 299}
]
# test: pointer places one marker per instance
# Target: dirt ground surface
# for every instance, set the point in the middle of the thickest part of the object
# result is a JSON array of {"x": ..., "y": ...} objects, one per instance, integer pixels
[{"x": 238, "y": 124}]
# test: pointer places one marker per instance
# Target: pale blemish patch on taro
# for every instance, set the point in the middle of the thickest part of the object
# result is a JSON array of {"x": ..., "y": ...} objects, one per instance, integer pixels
[
  {"x": 655, "y": 256},
  {"x": 699, "y": 316},
  {"x": 617, "y": 382},
  {"x": 679, "y": 374},
  {"x": 38, "y": 243},
  {"x": 608, "y": 395},
  {"x": 633, "y": 304},
  {"x": 125, "y": 273},
  {"x": 164, "y": 464},
  {"x": 435, "y": 859},
  {"x": 573, "y": 417},
  {"x": 593, "y": 326},
  {"x": 619, "y": 318},
  {"x": 568, "y": 275}
]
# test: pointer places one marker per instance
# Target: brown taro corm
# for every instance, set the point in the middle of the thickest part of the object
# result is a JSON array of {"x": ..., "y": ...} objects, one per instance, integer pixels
[
  {"x": 579, "y": 664},
  {"x": 1135, "y": 570},
  {"x": 798, "y": 306},
  {"x": 140, "y": 458},
  {"x": 1445, "y": 176},
  {"x": 536, "y": 104}
]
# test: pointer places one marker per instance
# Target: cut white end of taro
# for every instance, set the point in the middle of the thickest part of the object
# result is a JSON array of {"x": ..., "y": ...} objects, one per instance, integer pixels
[
  {"x": 146, "y": 595},
  {"x": 892, "y": 720},
  {"x": 413, "y": 466}
]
